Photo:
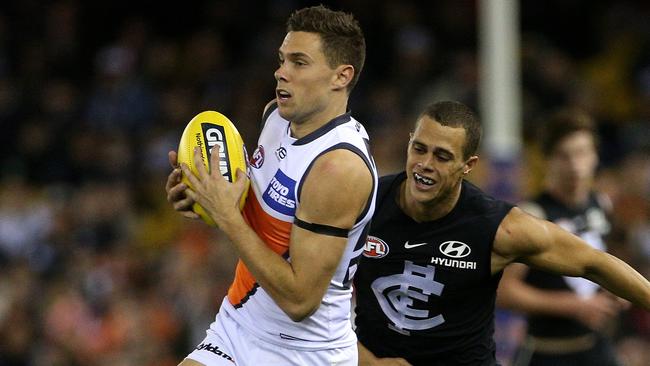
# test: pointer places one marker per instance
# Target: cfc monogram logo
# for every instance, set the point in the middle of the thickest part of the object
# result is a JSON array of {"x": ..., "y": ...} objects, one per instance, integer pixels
[{"x": 396, "y": 295}]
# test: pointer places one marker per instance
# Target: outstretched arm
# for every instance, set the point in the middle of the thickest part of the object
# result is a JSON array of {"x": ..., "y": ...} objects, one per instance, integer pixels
[{"x": 544, "y": 245}]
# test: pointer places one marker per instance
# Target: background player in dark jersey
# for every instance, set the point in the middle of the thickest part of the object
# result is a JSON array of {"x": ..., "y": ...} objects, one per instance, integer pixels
[
  {"x": 426, "y": 285},
  {"x": 565, "y": 314}
]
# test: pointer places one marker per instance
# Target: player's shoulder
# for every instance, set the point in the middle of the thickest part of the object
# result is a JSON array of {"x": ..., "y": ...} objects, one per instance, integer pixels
[
  {"x": 387, "y": 184},
  {"x": 338, "y": 185},
  {"x": 474, "y": 199},
  {"x": 516, "y": 235},
  {"x": 338, "y": 166},
  {"x": 269, "y": 108},
  {"x": 533, "y": 208},
  {"x": 391, "y": 179}
]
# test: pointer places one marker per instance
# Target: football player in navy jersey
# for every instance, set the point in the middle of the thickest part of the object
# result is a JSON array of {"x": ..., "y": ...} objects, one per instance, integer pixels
[
  {"x": 565, "y": 314},
  {"x": 426, "y": 284}
]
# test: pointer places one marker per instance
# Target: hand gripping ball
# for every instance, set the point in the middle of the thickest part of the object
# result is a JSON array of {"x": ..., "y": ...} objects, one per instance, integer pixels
[{"x": 206, "y": 130}]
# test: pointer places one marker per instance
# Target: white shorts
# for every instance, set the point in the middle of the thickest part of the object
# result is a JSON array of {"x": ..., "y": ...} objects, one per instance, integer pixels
[{"x": 228, "y": 344}]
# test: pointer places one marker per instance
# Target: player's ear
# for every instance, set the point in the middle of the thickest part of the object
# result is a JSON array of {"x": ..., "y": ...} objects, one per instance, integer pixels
[
  {"x": 470, "y": 164},
  {"x": 343, "y": 76}
]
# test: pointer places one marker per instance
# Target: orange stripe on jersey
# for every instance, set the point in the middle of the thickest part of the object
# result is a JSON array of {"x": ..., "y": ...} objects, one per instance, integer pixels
[{"x": 274, "y": 232}]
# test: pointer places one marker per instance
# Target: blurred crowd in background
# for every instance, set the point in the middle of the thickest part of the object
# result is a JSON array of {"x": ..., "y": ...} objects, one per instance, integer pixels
[{"x": 95, "y": 266}]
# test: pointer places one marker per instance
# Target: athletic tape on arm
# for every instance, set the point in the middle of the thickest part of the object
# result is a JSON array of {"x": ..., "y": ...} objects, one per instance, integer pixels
[{"x": 321, "y": 229}]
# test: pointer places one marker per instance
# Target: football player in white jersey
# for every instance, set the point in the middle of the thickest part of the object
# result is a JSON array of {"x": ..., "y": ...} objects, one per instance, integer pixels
[{"x": 306, "y": 216}]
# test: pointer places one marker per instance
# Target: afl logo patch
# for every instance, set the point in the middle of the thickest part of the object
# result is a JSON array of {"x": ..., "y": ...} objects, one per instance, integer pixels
[
  {"x": 455, "y": 249},
  {"x": 375, "y": 248},
  {"x": 257, "y": 159}
]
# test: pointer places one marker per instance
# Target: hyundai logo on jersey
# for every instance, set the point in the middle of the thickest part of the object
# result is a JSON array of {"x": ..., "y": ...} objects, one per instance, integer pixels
[
  {"x": 455, "y": 249},
  {"x": 279, "y": 194}
]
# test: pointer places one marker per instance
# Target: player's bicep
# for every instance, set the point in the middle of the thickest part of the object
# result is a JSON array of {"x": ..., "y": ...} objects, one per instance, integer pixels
[
  {"x": 542, "y": 244},
  {"x": 565, "y": 253},
  {"x": 336, "y": 190},
  {"x": 315, "y": 256},
  {"x": 333, "y": 196},
  {"x": 268, "y": 109}
]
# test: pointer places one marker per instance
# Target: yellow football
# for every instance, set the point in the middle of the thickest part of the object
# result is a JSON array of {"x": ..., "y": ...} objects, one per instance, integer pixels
[{"x": 206, "y": 130}]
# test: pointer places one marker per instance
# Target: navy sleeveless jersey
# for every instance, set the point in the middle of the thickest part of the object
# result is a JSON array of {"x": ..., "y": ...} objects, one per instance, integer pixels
[
  {"x": 591, "y": 224},
  {"x": 424, "y": 290}
]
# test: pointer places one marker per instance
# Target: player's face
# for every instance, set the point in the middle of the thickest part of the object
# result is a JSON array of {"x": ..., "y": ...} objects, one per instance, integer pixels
[
  {"x": 574, "y": 161},
  {"x": 434, "y": 163},
  {"x": 304, "y": 78}
]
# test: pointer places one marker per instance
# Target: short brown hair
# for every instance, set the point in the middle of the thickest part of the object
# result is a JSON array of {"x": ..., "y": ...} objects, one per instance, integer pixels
[
  {"x": 342, "y": 39},
  {"x": 456, "y": 114},
  {"x": 562, "y": 123}
]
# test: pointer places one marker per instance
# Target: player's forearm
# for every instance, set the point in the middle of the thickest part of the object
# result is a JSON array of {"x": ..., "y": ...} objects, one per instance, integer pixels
[
  {"x": 620, "y": 279},
  {"x": 271, "y": 271}
]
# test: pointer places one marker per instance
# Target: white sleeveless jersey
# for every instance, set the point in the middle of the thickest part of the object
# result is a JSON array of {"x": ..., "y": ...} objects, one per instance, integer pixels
[{"x": 279, "y": 166}]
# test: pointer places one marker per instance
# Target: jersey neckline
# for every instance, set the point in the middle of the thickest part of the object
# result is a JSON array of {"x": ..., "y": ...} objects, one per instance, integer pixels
[
  {"x": 336, "y": 121},
  {"x": 401, "y": 177}
]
